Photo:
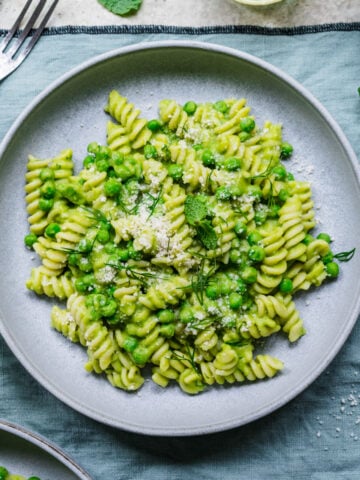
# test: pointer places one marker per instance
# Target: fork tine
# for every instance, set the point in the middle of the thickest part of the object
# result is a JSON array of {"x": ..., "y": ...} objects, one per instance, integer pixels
[
  {"x": 16, "y": 45},
  {"x": 24, "y": 53},
  {"x": 15, "y": 27}
]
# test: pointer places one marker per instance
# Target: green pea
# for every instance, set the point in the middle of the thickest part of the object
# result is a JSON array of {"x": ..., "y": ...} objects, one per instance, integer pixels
[
  {"x": 212, "y": 291},
  {"x": 85, "y": 245},
  {"x": 88, "y": 161},
  {"x": 254, "y": 237},
  {"x": 240, "y": 228},
  {"x": 122, "y": 172},
  {"x": 283, "y": 195},
  {"x": 232, "y": 164},
  {"x": 332, "y": 269},
  {"x": 175, "y": 171},
  {"x": 34, "y": 478},
  {"x": 30, "y": 239},
  {"x": 249, "y": 275},
  {"x": 46, "y": 204},
  {"x": 308, "y": 239},
  {"x": 255, "y": 192},
  {"x": 286, "y": 150},
  {"x": 260, "y": 216},
  {"x": 223, "y": 193},
  {"x": 324, "y": 236},
  {"x": 241, "y": 286},
  {"x": 244, "y": 136},
  {"x": 93, "y": 147},
  {"x": 110, "y": 247},
  {"x": 130, "y": 343},
  {"x": 117, "y": 158},
  {"x": 46, "y": 174},
  {"x": 141, "y": 355},
  {"x": 256, "y": 253},
  {"x": 221, "y": 106},
  {"x": 112, "y": 187},
  {"x": 80, "y": 285},
  {"x": 123, "y": 254},
  {"x": 208, "y": 158},
  {"x": 150, "y": 151},
  {"x": 328, "y": 258},
  {"x": 236, "y": 190},
  {"x": 102, "y": 164},
  {"x": 154, "y": 125},
  {"x": 235, "y": 300},
  {"x": 73, "y": 259},
  {"x": 235, "y": 256},
  {"x": 70, "y": 192},
  {"x": 104, "y": 152},
  {"x": 52, "y": 229},
  {"x": 84, "y": 265},
  {"x": 168, "y": 330},
  {"x": 247, "y": 124},
  {"x": 85, "y": 283},
  {"x": 280, "y": 172},
  {"x": 103, "y": 236},
  {"x": 89, "y": 280},
  {"x": 286, "y": 285},
  {"x": 186, "y": 314},
  {"x": 109, "y": 309},
  {"x": 190, "y": 107},
  {"x": 225, "y": 286},
  {"x": 166, "y": 316}
]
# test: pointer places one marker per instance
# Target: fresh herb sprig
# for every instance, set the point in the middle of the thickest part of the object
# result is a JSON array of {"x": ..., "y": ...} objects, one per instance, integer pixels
[
  {"x": 131, "y": 271},
  {"x": 196, "y": 214},
  {"x": 155, "y": 201},
  {"x": 200, "y": 280},
  {"x": 121, "y": 7}
]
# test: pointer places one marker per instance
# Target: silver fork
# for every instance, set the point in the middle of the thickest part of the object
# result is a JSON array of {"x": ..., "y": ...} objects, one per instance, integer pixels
[{"x": 10, "y": 54}]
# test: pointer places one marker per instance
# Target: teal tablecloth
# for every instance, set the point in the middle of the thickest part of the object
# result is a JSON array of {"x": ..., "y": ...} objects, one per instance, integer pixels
[{"x": 317, "y": 435}]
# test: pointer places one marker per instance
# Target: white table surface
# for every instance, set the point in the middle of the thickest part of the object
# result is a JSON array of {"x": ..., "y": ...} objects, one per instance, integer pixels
[{"x": 196, "y": 13}]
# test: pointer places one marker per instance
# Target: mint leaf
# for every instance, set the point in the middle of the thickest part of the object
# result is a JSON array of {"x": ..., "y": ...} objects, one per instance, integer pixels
[
  {"x": 195, "y": 210},
  {"x": 121, "y": 7},
  {"x": 207, "y": 235}
]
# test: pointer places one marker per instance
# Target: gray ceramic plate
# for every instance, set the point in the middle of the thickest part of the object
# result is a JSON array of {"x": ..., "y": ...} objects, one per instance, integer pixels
[
  {"x": 70, "y": 114},
  {"x": 26, "y": 453}
]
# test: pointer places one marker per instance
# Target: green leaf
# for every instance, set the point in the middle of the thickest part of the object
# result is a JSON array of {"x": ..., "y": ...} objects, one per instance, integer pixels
[
  {"x": 345, "y": 256},
  {"x": 121, "y": 7},
  {"x": 195, "y": 210},
  {"x": 207, "y": 235}
]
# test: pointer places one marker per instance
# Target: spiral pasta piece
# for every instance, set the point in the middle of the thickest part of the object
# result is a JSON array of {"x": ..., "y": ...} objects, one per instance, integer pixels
[
  {"x": 262, "y": 366},
  {"x": 294, "y": 231},
  {"x": 128, "y": 117},
  {"x": 292, "y": 324},
  {"x": 63, "y": 322},
  {"x": 166, "y": 292},
  {"x": 52, "y": 286}
]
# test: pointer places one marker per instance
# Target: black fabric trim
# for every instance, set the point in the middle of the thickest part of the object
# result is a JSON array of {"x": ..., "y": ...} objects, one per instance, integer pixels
[{"x": 217, "y": 29}]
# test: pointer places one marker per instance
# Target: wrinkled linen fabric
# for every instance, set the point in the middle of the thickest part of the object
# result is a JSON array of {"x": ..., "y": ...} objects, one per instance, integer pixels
[{"x": 315, "y": 436}]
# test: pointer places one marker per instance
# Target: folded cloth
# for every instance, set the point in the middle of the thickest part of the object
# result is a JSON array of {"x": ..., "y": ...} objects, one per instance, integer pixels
[{"x": 317, "y": 435}]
